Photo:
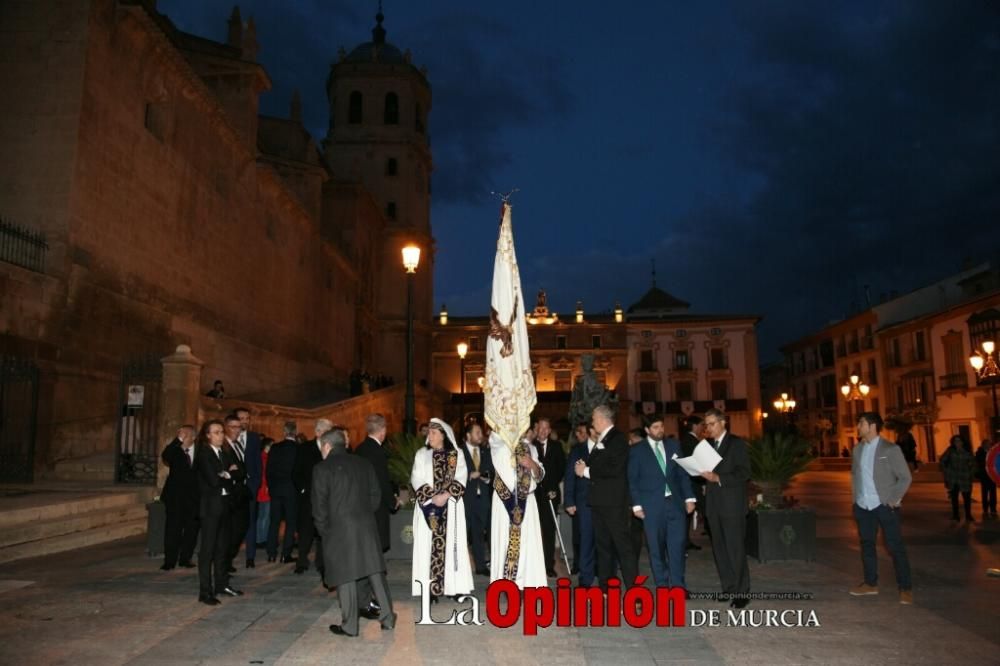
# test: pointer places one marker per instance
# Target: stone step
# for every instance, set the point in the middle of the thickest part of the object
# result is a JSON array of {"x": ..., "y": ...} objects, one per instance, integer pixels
[
  {"x": 69, "y": 524},
  {"x": 59, "y": 544},
  {"x": 45, "y": 507},
  {"x": 99, "y": 467}
]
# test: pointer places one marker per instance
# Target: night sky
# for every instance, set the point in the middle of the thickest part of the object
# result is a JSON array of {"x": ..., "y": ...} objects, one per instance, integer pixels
[{"x": 774, "y": 157}]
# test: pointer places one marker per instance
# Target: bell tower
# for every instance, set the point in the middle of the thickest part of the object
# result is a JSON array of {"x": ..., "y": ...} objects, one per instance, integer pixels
[{"x": 377, "y": 136}]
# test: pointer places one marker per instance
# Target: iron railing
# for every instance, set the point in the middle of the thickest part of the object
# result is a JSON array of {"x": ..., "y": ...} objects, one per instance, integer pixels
[{"x": 22, "y": 246}]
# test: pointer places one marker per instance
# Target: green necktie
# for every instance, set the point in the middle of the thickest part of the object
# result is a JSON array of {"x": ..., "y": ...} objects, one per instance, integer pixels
[{"x": 663, "y": 465}]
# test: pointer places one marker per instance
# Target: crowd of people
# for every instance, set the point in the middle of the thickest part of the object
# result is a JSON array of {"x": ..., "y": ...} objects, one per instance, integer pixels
[{"x": 484, "y": 508}]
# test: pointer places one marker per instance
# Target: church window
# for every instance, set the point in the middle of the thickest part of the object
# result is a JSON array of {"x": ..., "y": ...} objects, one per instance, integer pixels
[
  {"x": 391, "y": 109},
  {"x": 354, "y": 109},
  {"x": 390, "y": 210},
  {"x": 391, "y": 167},
  {"x": 419, "y": 120}
]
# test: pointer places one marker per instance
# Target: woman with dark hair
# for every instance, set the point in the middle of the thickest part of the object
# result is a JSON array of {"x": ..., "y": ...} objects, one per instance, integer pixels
[
  {"x": 959, "y": 466},
  {"x": 440, "y": 548}
]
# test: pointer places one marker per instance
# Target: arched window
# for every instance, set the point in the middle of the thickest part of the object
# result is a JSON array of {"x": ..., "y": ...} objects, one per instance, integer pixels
[
  {"x": 354, "y": 109},
  {"x": 419, "y": 120},
  {"x": 391, "y": 167},
  {"x": 391, "y": 109}
]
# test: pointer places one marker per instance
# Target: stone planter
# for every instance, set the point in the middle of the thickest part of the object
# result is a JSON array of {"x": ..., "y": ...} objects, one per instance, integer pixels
[
  {"x": 401, "y": 535},
  {"x": 156, "y": 525},
  {"x": 782, "y": 534}
]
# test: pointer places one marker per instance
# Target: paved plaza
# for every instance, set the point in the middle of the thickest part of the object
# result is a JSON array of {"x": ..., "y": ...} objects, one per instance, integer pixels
[{"x": 110, "y": 604}]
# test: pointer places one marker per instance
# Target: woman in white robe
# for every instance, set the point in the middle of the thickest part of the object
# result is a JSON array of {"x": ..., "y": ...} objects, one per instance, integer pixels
[
  {"x": 527, "y": 562},
  {"x": 440, "y": 547}
]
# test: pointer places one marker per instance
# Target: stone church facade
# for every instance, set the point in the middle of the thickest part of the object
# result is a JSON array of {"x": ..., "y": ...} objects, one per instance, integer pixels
[{"x": 175, "y": 213}]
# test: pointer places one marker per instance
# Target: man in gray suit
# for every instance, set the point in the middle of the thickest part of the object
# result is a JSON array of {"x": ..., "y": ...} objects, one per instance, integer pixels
[
  {"x": 879, "y": 479},
  {"x": 345, "y": 495}
]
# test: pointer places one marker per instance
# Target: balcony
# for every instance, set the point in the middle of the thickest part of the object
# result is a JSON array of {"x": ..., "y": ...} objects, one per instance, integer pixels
[{"x": 954, "y": 381}]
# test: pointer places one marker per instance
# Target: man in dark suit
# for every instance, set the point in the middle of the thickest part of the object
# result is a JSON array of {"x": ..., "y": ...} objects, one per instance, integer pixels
[
  {"x": 284, "y": 497},
  {"x": 478, "y": 497},
  {"x": 249, "y": 443},
  {"x": 180, "y": 498},
  {"x": 307, "y": 457},
  {"x": 345, "y": 495},
  {"x": 689, "y": 440},
  {"x": 553, "y": 459},
  {"x": 726, "y": 507},
  {"x": 578, "y": 506},
  {"x": 371, "y": 450},
  {"x": 609, "y": 500},
  {"x": 661, "y": 496},
  {"x": 217, "y": 476},
  {"x": 239, "y": 498}
]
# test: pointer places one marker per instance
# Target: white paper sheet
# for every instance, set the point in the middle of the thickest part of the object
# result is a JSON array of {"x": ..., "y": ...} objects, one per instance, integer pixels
[{"x": 703, "y": 459}]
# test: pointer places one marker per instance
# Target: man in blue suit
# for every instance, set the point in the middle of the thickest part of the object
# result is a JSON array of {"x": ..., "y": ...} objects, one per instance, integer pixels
[
  {"x": 249, "y": 441},
  {"x": 662, "y": 497},
  {"x": 478, "y": 495},
  {"x": 575, "y": 492}
]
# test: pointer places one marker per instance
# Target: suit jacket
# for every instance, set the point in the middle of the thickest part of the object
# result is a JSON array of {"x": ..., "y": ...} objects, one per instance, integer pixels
[
  {"x": 892, "y": 474},
  {"x": 280, "y": 468},
  {"x": 182, "y": 481},
  {"x": 241, "y": 491},
  {"x": 484, "y": 484},
  {"x": 345, "y": 494},
  {"x": 688, "y": 442},
  {"x": 253, "y": 464},
  {"x": 609, "y": 470},
  {"x": 646, "y": 482},
  {"x": 373, "y": 452},
  {"x": 729, "y": 496},
  {"x": 210, "y": 484},
  {"x": 307, "y": 456},
  {"x": 554, "y": 463},
  {"x": 577, "y": 488}
]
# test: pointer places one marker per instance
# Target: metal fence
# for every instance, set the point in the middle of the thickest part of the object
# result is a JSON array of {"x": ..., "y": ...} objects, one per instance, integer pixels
[
  {"x": 22, "y": 246},
  {"x": 137, "y": 449}
]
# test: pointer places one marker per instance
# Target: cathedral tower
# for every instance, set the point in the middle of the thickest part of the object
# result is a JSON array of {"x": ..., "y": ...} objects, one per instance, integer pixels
[{"x": 379, "y": 103}]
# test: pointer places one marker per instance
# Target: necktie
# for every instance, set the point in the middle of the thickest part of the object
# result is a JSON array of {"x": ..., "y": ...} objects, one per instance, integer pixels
[
  {"x": 190, "y": 456},
  {"x": 239, "y": 450},
  {"x": 717, "y": 444},
  {"x": 475, "y": 457},
  {"x": 658, "y": 449}
]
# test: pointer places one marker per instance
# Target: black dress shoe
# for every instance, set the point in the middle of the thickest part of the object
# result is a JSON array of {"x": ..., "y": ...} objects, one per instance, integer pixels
[
  {"x": 339, "y": 631},
  {"x": 230, "y": 592},
  {"x": 209, "y": 601},
  {"x": 166, "y": 567},
  {"x": 231, "y": 569},
  {"x": 369, "y": 613},
  {"x": 187, "y": 565},
  {"x": 286, "y": 559},
  {"x": 740, "y": 603},
  {"x": 272, "y": 558},
  {"x": 251, "y": 565}
]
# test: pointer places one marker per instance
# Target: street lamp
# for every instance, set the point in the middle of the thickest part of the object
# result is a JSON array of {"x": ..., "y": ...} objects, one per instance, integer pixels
[
  {"x": 784, "y": 404},
  {"x": 985, "y": 366},
  {"x": 855, "y": 389},
  {"x": 463, "y": 349},
  {"x": 411, "y": 259}
]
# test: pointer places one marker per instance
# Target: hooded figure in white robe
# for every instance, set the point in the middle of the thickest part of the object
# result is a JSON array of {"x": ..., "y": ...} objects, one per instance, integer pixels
[
  {"x": 516, "y": 551},
  {"x": 440, "y": 548}
]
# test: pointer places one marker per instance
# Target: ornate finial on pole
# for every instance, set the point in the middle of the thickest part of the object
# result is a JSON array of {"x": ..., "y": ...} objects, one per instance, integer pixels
[{"x": 506, "y": 197}]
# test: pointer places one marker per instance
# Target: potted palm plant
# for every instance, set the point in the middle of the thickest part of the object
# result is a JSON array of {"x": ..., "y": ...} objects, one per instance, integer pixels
[
  {"x": 776, "y": 528},
  {"x": 402, "y": 449}
]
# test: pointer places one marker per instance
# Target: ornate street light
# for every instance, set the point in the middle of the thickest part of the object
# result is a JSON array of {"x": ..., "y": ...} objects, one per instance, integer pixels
[
  {"x": 985, "y": 365},
  {"x": 443, "y": 317},
  {"x": 784, "y": 404},
  {"x": 619, "y": 314},
  {"x": 411, "y": 259},
  {"x": 855, "y": 389},
  {"x": 462, "y": 349}
]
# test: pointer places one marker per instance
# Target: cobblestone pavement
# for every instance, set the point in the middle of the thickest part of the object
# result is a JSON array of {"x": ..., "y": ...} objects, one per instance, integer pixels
[{"x": 111, "y": 605}]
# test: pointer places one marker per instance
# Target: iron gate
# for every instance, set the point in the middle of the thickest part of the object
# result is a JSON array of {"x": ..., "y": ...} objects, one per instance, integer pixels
[
  {"x": 18, "y": 414},
  {"x": 137, "y": 441}
]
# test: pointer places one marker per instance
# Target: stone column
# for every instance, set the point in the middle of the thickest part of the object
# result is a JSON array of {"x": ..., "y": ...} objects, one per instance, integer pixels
[{"x": 180, "y": 396}]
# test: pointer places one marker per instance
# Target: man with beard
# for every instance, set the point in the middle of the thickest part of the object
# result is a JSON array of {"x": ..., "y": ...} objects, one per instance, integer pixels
[
  {"x": 552, "y": 457},
  {"x": 249, "y": 450},
  {"x": 478, "y": 495}
]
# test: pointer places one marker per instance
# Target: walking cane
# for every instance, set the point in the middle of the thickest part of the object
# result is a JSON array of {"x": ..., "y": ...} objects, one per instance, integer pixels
[{"x": 562, "y": 546}]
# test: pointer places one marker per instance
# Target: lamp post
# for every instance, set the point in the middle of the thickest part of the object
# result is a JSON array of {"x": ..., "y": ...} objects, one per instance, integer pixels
[
  {"x": 411, "y": 259},
  {"x": 463, "y": 349},
  {"x": 985, "y": 366},
  {"x": 784, "y": 404},
  {"x": 855, "y": 389}
]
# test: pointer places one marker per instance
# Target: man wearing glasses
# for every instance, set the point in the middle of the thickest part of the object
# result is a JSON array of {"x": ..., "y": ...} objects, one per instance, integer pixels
[{"x": 726, "y": 507}]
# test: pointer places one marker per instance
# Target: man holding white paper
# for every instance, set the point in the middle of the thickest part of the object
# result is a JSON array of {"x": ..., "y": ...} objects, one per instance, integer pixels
[{"x": 726, "y": 507}]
